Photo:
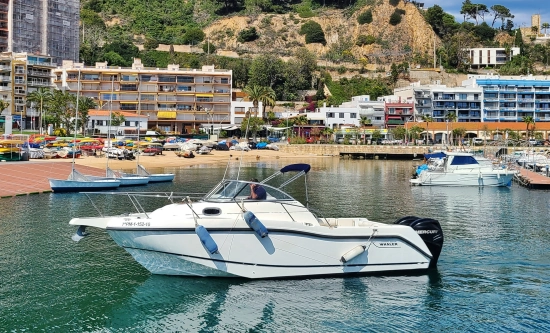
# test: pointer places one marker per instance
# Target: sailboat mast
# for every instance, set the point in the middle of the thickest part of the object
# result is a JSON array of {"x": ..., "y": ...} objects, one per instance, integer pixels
[
  {"x": 76, "y": 115},
  {"x": 110, "y": 144}
]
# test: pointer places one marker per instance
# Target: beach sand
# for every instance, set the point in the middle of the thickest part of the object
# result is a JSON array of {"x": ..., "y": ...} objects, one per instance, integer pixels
[{"x": 169, "y": 159}]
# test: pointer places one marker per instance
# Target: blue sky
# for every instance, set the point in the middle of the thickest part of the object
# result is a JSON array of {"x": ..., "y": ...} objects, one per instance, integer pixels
[{"x": 521, "y": 9}]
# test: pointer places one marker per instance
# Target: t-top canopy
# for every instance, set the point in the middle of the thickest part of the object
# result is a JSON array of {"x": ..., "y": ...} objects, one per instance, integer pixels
[{"x": 296, "y": 167}]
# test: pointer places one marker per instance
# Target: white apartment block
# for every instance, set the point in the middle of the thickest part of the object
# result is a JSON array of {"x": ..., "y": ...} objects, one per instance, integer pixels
[
  {"x": 490, "y": 57},
  {"x": 349, "y": 113},
  {"x": 174, "y": 100}
]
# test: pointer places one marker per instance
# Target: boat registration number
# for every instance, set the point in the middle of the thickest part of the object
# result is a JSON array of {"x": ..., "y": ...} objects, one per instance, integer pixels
[{"x": 136, "y": 224}]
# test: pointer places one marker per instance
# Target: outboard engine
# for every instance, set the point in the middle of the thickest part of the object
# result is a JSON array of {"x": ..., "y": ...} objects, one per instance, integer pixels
[{"x": 430, "y": 231}]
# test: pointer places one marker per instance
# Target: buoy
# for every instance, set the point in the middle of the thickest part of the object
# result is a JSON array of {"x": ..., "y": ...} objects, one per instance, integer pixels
[
  {"x": 255, "y": 224},
  {"x": 353, "y": 253},
  {"x": 206, "y": 239},
  {"x": 80, "y": 233}
]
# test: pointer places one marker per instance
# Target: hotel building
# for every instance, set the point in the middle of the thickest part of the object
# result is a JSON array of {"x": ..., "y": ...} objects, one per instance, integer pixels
[{"x": 174, "y": 100}]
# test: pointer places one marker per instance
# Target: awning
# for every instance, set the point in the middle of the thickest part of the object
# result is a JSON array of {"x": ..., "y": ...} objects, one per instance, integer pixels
[
  {"x": 166, "y": 114},
  {"x": 124, "y": 102},
  {"x": 205, "y": 95},
  {"x": 2, "y": 120},
  {"x": 278, "y": 128},
  {"x": 395, "y": 122}
]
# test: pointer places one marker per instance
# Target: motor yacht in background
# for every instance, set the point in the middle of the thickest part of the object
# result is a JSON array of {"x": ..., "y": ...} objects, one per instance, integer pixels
[{"x": 461, "y": 169}]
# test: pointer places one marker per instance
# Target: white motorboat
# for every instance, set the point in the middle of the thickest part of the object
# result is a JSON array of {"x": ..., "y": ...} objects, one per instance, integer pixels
[
  {"x": 461, "y": 169},
  {"x": 127, "y": 179},
  {"x": 227, "y": 235},
  {"x": 77, "y": 182},
  {"x": 154, "y": 177}
]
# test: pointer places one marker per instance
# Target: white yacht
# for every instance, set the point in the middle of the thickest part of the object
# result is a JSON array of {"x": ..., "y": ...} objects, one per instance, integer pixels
[
  {"x": 461, "y": 169},
  {"x": 224, "y": 234}
]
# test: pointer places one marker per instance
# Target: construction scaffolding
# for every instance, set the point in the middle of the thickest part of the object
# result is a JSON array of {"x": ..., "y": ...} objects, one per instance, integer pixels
[{"x": 45, "y": 27}]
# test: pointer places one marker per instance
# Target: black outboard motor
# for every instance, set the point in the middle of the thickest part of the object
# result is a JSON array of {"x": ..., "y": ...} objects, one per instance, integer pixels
[{"x": 430, "y": 231}]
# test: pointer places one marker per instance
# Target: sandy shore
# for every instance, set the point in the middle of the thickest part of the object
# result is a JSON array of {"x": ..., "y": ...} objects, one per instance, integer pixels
[{"x": 170, "y": 160}]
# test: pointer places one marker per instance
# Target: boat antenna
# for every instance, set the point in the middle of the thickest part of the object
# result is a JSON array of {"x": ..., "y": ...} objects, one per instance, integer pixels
[{"x": 76, "y": 118}]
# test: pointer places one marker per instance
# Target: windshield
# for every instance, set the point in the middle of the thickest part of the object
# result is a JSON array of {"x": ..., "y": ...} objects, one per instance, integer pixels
[{"x": 238, "y": 189}]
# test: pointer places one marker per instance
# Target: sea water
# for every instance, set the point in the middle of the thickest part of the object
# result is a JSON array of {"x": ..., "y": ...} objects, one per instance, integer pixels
[{"x": 493, "y": 273}]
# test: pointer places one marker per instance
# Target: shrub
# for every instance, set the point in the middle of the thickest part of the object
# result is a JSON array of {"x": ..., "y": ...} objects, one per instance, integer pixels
[
  {"x": 365, "y": 40},
  {"x": 365, "y": 17},
  {"x": 248, "y": 35},
  {"x": 305, "y": 11},
  {"x": 193, "y": 36},
  {"x": 208, "y": 48},
  {"x": 150, "y": 44},
  {"x": 342, "y": 69},
  {"x": 395, "y": 18},
  {"x": 314, "y": 33},
  {"x": 400, "y": 11},
  {"x": 394, "y": 2}
]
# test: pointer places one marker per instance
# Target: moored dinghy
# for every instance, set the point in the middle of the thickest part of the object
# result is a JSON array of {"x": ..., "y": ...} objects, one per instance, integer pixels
[
  {"x": 272, "y": 238},
  {"x": 154, "y": 177},
  {"x": 77, "y": 182}
]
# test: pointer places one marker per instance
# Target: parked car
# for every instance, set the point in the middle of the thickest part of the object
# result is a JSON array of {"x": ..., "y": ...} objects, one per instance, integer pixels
[{"x": 309, "y": 140}]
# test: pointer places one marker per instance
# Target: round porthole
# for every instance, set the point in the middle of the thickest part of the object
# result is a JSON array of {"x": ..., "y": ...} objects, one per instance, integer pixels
[{"x": 211, "y": 211}]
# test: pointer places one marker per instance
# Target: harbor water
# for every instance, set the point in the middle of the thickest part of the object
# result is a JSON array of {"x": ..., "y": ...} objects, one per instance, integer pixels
[{"x": 492, "y": 276}]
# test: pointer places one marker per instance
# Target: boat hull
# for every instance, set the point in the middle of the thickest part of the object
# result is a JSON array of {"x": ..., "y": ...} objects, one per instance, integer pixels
[
  {"x": 58, "y": 185},
  {"x": 161, "y": 177},
  {"x": 133, "y": 181},
  {"x": 427, "y": 178},
  {"x": 279, "y": 255}
]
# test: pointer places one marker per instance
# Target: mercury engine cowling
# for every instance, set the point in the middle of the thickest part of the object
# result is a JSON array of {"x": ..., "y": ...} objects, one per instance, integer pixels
[{"x": 430, "y": 231}]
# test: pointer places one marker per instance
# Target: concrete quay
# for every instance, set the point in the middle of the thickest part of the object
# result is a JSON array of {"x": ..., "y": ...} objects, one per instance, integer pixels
[{"x": 360, "y": 151}]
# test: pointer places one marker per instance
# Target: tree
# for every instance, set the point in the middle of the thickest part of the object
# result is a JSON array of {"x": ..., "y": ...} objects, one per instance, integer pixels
[
  {"x": 150, "y": 44},
  {"x": 428, "y": 119},
  {"x": 252, "y": 125},
  {"x": 41, "y": 96},
  {"x": 85, "y": 104},
  {"x": 248, "y": 35},
  {"x": 266, "y": 70},
  {"x": 451, "y": 118},
  {"x": 364, "y": 121},
  {"x": 313, "y": 32},
  {"x": 365, "y": 17},
  {"x": 535, "y": 30},
  {"x": 473, "y": 10},
  {"x": 459, "y": 133},
  {"x": 502, "y": 13},
  {"x": 300, "y": 122},
  {"x": 193, "y": 36},
  {"x": 257, "y": 94},
  {"x": 267, "y": 98},
  {"x": 326, "y": 132},
  {"x": 399, "y": 133},
  {"x": 61, "y": 108},
  {"x": 545, "y": 26},
  {"x": 528, "y": 120}
]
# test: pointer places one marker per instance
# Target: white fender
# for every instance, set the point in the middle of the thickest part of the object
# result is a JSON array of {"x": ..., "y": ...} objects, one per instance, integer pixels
[{"x": 353, "y": 253}]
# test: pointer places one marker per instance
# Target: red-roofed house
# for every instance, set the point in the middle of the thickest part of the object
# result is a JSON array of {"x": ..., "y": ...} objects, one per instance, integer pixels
[{"x": 99, "y": 123}]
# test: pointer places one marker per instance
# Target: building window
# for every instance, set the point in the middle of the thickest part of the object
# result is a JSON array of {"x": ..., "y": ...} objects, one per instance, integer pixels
[
  {"x": 462, "y": 96},
  {"x": 480, "y": 57},
  {"x": 353, "y": 115},
  {"x": 341, "y": 115},
  {"x": 488, "y": 56},
  {"x": 330, "y": 114},
  {"x": 126, "y": 123}
]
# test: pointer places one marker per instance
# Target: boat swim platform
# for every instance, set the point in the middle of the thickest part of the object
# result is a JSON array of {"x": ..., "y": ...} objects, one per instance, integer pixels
[
  {"x": 532, "y": 180},
  {"x": 29, "y": 177}
]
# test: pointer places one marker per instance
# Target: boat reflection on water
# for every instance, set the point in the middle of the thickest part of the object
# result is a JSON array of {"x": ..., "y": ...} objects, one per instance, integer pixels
[{"x": 166, "y": 303}]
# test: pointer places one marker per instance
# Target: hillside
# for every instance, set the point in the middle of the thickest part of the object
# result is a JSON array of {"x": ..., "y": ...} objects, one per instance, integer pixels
[{"x": 279, "y": 34}]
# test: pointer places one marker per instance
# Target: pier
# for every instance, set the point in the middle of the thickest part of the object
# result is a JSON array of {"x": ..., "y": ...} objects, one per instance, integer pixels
[
  {"x": 23, "y": 178},
  {"x": 532, "y": 180},
  {"x": 361, "y": 151}
]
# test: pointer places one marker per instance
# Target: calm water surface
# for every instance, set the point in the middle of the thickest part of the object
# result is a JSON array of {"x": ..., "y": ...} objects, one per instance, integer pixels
[{"x": 493, "y": 272}]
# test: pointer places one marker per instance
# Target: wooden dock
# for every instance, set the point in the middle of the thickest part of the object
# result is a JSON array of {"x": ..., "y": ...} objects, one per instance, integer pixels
[
  {"x": 532, "y": 180},
  {"x": 22, "y": 178}
]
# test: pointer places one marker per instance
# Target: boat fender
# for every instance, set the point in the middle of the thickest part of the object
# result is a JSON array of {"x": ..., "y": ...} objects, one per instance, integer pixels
[
  {"x": 80, "y": 233},
  {"x": 206, "y": 239},
  {"x": 353, "y": 253},
  {"x": 255, "y": 224}
]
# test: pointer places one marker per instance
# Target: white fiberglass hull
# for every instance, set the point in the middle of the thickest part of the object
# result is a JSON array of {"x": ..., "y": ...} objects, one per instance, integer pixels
[
  {"x": 161, "y": 177},
  {"x": 435, "y": 178},
  {"x": 290, "y": 250},
  {"x": 133, "y": 180},
  {"x": 59, "y": 185}
]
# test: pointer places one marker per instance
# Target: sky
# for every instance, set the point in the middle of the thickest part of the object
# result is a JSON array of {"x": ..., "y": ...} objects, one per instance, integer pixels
[{"x": 521, "y": 9}]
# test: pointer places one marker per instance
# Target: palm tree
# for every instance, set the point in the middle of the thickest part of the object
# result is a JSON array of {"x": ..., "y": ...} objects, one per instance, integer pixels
[
  {"x": 364, "y": 121},
  {"x": 4, "y": 105},
  {"x": 257, "y": 94},
  {"x": 428, "y": 119},
  {"x": 84, "y": 106},
  {"x": 545, "y": 26},
  {"x": 300, "y": 121},
  {"x": 268, "y": 98},
  {"x": 326, "y": 132},
  {"x": 41, "y": 97},
  {"x": 451, "y": 118},
  {"x": 528, "y": 120}
]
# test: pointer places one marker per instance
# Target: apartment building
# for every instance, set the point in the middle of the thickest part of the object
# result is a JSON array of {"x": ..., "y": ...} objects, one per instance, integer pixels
[
  {"x": 398, "y": 110},
  {"x": 350, "y": 113},
  {"x": 464, "y": 103},
  {"x": 484, "y": 57},
  {"x": 175, "y": 100},
  {"x": 511, "y": 99},
  {"x": 41, "y": 26},
  {"x": 21, "y": 74}
]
